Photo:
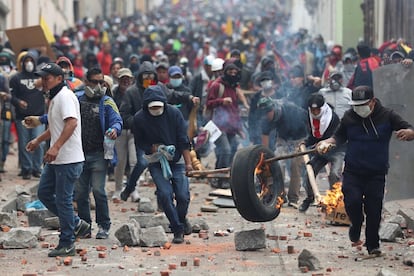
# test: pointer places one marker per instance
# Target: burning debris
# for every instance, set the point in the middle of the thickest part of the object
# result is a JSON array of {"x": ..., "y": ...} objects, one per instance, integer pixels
[{"x": 332, "y": 204}]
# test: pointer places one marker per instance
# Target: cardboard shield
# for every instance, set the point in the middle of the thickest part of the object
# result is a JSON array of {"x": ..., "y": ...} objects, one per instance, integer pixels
[
  {"x": 32, "y": 37},
  {"x": 393, "y": 85}
]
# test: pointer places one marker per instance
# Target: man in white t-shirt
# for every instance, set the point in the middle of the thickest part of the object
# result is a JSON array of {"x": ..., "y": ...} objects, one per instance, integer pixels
[{"x": 64, "y": 159}]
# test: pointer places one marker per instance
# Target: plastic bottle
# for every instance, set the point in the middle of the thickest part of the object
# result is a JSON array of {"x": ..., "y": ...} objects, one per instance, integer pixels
[{"x": 109, "y": 146}]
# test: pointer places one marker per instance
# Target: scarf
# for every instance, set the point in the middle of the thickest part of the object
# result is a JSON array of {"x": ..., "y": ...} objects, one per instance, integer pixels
[{"x": 320, "y": 125}]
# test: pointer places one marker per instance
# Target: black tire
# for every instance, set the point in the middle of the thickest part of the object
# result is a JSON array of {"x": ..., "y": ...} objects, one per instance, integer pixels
[{"x": 245, "y": 186}]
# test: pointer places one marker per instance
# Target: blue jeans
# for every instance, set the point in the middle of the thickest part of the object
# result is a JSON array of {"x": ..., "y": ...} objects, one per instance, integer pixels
[
  {"x": 226, "y": 147},
  {"x": 55, "y": 192},
  {"x": 5, "y": 145},
  {"x": 177, "y": 187},
  {"x": 93, "y": 177},
  {"x": 30, "y": 162},
  {"x": 137, "y": 171}
]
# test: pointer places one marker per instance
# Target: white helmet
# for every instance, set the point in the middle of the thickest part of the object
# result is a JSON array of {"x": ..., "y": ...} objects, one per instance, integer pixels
[{"x": 217, "y": 64}]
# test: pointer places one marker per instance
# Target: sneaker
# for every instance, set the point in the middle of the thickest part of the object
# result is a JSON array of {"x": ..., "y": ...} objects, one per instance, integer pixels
[
  {"x": 135, "y": 196},
  {"x": 354, "y": 233},
  {"x": 36, "y": 174},
  {"x": 63, "y": 251},
  {"x": 83, "y": 230},
  {"x": 102, "y": 233},
  {"x": 178, "y": 237},
  {"x": 26, "y": 176},
  {"x": 116, "y": 195},
  {"x": 375, "y": 251},
  {"x": 188, "y": 228},
  {"x": 125, "y": 194},
  {"x": 293, "y": 204},
  {"x": 305, "y": 204}
]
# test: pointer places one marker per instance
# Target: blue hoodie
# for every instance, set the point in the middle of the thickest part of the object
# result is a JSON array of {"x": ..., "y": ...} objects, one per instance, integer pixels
[{"x": 166, "y": 129}]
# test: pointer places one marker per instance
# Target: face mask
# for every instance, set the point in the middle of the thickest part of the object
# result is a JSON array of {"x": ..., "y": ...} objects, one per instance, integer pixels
[
  {"x": 334, "y": 85},
  {"x": 362, "y": 110},
  {"x": 29, "y": 66},
  {"x": 6, "y": 69},
  {"x": 156, "y": 112},
  {"x": 266, "y": 84},
  {"x": 317, "y": 117},
  {"x": 96, "y": 92},
  {"x": 176, "y": 82}
]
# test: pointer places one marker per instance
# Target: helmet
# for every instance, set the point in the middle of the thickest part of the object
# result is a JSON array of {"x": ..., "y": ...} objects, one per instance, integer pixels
[{"x": 217, "y": 64}]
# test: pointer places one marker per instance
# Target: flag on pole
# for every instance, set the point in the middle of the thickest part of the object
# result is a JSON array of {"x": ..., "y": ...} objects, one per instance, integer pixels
[
  {"x": 48, "y": 33},
  {"x": 229, "y": 26}
]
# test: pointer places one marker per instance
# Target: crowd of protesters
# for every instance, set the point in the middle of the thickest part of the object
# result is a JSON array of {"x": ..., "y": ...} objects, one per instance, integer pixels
[{"x": 242, "y": 67}]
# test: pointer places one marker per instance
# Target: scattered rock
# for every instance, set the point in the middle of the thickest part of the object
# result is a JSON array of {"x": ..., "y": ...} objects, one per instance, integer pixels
[
  {"x": 307, "y": 259},
  {"x": 250, "y": 240},
  {"x": 390, "y": 231}
]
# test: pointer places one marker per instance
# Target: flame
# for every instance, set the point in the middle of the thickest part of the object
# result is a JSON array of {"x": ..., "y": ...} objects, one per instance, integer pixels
[
  {"x": 333, "y": 198},
  {"x": 262, "y": 171},
  {"x": 279, "y": 202}
]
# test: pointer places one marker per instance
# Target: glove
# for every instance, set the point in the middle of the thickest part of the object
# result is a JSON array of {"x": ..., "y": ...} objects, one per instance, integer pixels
[
  {"x": 323, "y": 147},
  {"x": 31, "y": 121}
]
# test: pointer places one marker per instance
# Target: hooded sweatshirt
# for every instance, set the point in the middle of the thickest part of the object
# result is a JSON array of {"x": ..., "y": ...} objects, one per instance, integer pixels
[
  {"x": 22, "y": 88},
  {"x": 132, "y": 101},
  {"x": 368, "y": 139},
  {"x": 167, "y": 129}
]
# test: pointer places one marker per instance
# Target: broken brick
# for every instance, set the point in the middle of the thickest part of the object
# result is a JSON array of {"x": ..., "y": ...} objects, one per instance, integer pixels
[
  {"x": 67, "y": 261},
  {"x": 183, "y": 263},
  {"x": 196, "y": 261},
  {"x": 45, "y": 245},
  {"x": 100, "y": 248},
  {"x": 167, "y": 245},
  {"x": 165, "y": 273},
  {"x": 283, "y": 238},
  {"x": 307, "y": 234},
  {"x": 23, "y": 262},
  {"x": 102, "y": 255},
  {"x": 304, "y": 269},
  {"x": 84, "y": 258},
  {"x": 276, "y": 250},
  {"x": 5, "y": 228},
  {"x": 172, "y": 266},
  {"x": 126, "y": 248}
]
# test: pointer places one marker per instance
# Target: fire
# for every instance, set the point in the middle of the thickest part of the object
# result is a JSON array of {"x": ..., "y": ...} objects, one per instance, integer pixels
[
  {"x": 279, "y": 202},
  {"x": 333, "y": 198},
  {"x": 262, "y": 171}
]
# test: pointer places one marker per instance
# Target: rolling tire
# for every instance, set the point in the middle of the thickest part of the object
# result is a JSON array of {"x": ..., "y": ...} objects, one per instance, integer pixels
[{"x": 244, "y": 185}]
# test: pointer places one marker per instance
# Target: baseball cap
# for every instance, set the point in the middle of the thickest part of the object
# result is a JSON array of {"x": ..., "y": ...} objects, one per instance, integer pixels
[
  {"x": 125, "y": 72},
  {"x": 316, "y": 101},
  {"x": 208, "y": 60},
  {"x": 155, "y": 103},
  {"x": 361, "y": 95},
  {"x": 50, "y": 68},
  {"x": 175, "y": 70},
  {"x": 162, "y": 65}
]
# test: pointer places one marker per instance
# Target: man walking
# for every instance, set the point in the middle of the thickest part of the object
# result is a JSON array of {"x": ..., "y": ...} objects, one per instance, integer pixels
[{"x": 64, "y": 159}]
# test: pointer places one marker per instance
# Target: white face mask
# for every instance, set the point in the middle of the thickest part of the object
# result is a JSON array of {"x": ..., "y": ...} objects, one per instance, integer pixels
[
  {"x": 29, "y": 66},
  {"x": 266, "y": 84},
  {"x": 362, "y": 110},
  {"x": 156, "y": 112}
]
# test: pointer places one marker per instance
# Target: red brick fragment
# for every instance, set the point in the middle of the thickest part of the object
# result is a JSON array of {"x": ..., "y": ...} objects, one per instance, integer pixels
[
  {"x": 167, "y": 245},
  {"x": 183, "y": 263},
  {"x": 84, "y": 258},
  {"x": 67, "y": 261},
  {"x": 307, "y": 234},
  {"x": 172, "y": 266},
  {"x": 196, "y": 261},
  {"x": 100, "y": 248},
  {"x": 102, "y": 255},
  {"x": 165, "y": 273}
]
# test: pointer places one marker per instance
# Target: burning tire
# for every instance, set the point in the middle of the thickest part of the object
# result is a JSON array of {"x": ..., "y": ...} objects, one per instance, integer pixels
[{"x": 256, "y": 189}]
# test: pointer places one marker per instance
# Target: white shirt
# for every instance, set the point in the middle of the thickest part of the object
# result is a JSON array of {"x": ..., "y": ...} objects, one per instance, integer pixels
[
  {"x": 66, "y": 105},
  {"x": 339, "y": 100}
]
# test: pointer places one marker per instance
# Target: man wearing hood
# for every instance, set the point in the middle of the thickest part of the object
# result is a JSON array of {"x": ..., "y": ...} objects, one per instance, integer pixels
[
  {"x": 28, "y": 100},
  {"x": 71, "y": 81},
  {"x": 131, "y": 104},
  {"x": 367, "y": 130},
  {"x": 160, "y": 131}
]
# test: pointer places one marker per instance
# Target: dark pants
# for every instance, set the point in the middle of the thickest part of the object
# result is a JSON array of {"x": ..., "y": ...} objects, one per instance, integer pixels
[{"x": 367, "y": 192}]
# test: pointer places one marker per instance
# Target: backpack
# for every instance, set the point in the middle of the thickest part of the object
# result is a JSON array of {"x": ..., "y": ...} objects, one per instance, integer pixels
[{"x": 208, "y": 112}]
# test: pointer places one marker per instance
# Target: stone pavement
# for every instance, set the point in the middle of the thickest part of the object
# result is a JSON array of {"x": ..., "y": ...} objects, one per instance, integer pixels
[{"x": 214, "y": 254}]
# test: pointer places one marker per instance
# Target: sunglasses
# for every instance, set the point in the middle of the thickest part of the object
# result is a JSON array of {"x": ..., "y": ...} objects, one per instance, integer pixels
[{"x": 97, "y": 81}]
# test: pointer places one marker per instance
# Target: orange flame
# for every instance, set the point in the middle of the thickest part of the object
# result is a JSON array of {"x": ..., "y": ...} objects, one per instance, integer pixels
[
  {"x": 333, "y": 198},
  {"x": 262, "y": 170},
  {"x": 279, "y": 202}
]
